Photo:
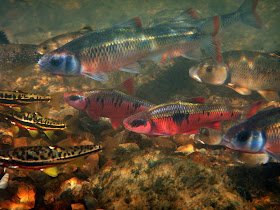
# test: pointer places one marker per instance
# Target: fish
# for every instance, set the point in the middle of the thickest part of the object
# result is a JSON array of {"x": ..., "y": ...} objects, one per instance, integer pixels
[
  {"x": 121, "y": 48},
  {"x": 243, "y": 71},
  {"x": 181, "y": 118},
  {"x": 258, "y": 134},
  {"x": 19, "y": 98},
  {"x": 33, "y": 122},
  {"x": 40, "y": 157},
  {"x": 108, "y": 103},
  {"x": 246, "y": 14},
  {"x": 60, "y": 40},
  {"x": 17, "y": 56}
]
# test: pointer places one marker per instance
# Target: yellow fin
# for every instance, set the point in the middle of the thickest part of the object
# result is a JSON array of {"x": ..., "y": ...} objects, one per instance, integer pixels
[
  {"x": 240, "y": 90},
  {"x": 33, "y": 133},
  {"x": 49, "y": 134},
  {"x": 52, "y": 171},
  {"x": 15, "y": 129},
  {"x": 269, "y": 95},
  {"x": 16, "y": 108}
]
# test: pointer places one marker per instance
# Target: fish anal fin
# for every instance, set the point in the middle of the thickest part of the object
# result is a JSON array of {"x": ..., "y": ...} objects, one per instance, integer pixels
[
  {"x": 215, "y": 125},
  {"x": 269, "y": 95},
  {"x": 49, "y": 134},
  {"x": 132, "y": 68},
  {"x": 240, "y": 90},
  {"x": 51, "y": 171},
  {"x": 33, "y": 133},
  {"x": 115, "y": 123},
  {"x": 128, "y": 86}
]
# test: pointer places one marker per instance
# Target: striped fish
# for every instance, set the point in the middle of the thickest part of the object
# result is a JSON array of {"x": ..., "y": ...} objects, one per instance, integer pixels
[
  {"x": 180, "y": 118},
  {"x": 112, "y": 104},
  {"x": 18, "y": 98}
]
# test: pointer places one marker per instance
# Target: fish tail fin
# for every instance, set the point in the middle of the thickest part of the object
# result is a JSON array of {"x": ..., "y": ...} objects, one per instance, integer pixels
[
  {"x": 248, "y": 13},
  {"x": 3, "y": 38}
]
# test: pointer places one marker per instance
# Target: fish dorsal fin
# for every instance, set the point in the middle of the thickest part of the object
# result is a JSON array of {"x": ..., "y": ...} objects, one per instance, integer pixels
[
  {"x": 3, "y": 38},
  {"x": 131, "y": 68},
  {"x": 86, "y": 28},
  {"x": 184, "y": 17},
  {"x": 131, "y": 23}
]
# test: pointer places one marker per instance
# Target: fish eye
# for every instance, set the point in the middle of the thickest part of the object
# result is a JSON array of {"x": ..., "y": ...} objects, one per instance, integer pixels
[
  {"x": 138, "y": 122},
  {"x": 56, "y": 61},
  {"x": 209, "y": 69},
  {"x": 75, "y": 97},
  {"x": 243, "y": 136}
]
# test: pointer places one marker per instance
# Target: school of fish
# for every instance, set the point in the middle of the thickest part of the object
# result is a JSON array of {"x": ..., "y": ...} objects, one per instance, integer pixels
[{"x": 124, "y": 47}]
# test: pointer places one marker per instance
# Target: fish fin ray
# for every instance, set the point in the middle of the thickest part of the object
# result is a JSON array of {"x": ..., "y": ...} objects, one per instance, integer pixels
[
  {"x": 132, "y": 68},
  {"x": 51, "y": 171},
  {"x": 98, "y": 76},
  {"x": 273, "y": 155},
  {"x": 249, "y": 15},
  {"x": 240, "y": 90},
  {"x": 115, "y": 123},
  {"x": 131, "y": 23},
  {"x": 269, "y": 95}
]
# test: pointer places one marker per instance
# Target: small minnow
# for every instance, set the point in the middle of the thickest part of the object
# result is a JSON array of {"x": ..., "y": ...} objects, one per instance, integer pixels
[
  {"x": 18, "y": 98},
  {"x": 180, "y": 118},
  {"x": 33, "y": 122},
  {"x": 60, "y": 40},
  {"x": 243, "y": 71},
  {"x": 39, "y": 157},
  {"x": 258, "y": 134},
  {"x": 106, "y": 103},
  {"x": 120, "y": 48}
]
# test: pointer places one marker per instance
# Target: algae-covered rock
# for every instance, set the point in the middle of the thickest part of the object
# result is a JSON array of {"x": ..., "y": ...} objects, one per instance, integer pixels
[{"x": 153, "y": 180}]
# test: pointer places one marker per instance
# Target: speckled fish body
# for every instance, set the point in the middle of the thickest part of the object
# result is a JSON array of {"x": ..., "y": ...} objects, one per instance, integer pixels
[
  {"x": 97, "y": 53},
  {"x": 32, "y": 121},
  {"x": 258, "y": 134},
  {"x": 60, "y": 40},
  {"x": 17, "y": 56},
  {"x": 17, "y": 98},
  {"x": 180, "y": 118},
  {"x": 106, "y": 103},
  {"x": 38, "y": 157},
  {"x": 243, "y": 71}
]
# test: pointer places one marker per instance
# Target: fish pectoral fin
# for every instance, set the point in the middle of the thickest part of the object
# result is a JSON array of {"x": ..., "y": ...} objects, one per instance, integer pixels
[
  {"x": 15, "y": 129},
  {"x": 98, "y": 76},
  {"x": 240, "y": 90},
  {"x": 33, "y": 133},
  {"x": 115, "y": 123},
  {"x": 269, "y": 95},
  {"x": 132, "y": 68},
  {"x": 52, "y": 171},
  {"x": 276, "y": 156}
]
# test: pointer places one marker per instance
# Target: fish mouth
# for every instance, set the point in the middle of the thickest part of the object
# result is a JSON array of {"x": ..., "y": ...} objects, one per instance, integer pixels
[{"x": 193, "y": 74}]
